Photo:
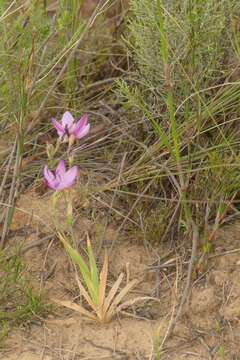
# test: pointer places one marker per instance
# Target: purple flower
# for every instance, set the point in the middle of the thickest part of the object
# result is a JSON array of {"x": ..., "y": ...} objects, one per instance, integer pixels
[
  {"x": 60, "y": 178},
  {"x": 69, "y": 126}
]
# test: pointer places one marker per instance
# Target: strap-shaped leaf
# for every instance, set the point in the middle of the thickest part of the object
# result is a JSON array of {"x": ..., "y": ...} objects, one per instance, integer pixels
[
  {"x": 75, "y": 307},
  {"x": 81, "y": 263},
  {"x": 112, "y": 293},
  {"x": 103, "y": 280},
  {"x": 119, "y": 297},
  {"x": 93, "y": 271},
  {"x": 86, "y": 295},
  {"x": 75, "y": 256}
]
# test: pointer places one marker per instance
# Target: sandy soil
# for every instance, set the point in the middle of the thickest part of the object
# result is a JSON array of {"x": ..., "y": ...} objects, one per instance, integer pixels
[{"x": 208, "y": 329}]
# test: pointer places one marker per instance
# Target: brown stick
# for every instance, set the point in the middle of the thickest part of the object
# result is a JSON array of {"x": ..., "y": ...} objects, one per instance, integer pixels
[
  {"x": 27, "y": 247},
  {"x": 186, "y": 291}
]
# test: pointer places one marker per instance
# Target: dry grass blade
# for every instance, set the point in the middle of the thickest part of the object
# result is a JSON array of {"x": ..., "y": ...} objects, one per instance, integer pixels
[{"x": 75, "y": 307}]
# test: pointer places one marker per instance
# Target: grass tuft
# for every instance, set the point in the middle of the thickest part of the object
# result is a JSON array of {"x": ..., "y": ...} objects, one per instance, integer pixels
[{"x": 18, "y": 301}]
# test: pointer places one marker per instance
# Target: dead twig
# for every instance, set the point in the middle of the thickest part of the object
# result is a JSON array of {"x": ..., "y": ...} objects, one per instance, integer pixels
[
  {"x": 174, "y": 319},
  {"x": 225, "y": 253},
  {"x": 27, "y": 247}
]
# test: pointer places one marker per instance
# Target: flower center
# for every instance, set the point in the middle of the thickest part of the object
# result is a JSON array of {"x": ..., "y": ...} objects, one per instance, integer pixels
[{"x": 66, "y": 130}]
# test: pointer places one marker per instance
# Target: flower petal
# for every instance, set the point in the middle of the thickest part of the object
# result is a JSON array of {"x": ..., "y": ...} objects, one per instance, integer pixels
[
  {"x": 50, "y": 179},
  {"x": 58, "y": 127},
  {"x": 48, "y": 174},
  {"x": 61, "y": 169},
  {"x": 67, "y": 120},
  {"x": 79, "y": 125},
  {"x": 83, "y": 132},
  {"x": 68, "y": 178}
]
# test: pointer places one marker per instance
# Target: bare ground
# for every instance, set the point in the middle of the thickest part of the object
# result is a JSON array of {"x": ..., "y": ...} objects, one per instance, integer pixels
[{"x": 208, "y": 328}]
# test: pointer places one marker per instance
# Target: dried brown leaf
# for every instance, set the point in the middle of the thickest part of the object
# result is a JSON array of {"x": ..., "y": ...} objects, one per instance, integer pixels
[
  {"x": 103, "y": 281},
  {"x": 113, "y": 308},
  {"x": 85, "y": 295},
  {"x": 75, "y": 307},
  {"x": 112, "y": 293}
]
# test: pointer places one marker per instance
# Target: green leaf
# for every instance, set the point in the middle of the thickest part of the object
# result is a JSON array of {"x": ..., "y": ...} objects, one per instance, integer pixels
[
  {"x": 94, "y": 271},
  {"x": 82, "y": 265}
]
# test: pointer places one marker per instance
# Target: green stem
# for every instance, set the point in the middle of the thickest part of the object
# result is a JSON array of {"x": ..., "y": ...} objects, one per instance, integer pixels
[{"x": 170, "y": 105}]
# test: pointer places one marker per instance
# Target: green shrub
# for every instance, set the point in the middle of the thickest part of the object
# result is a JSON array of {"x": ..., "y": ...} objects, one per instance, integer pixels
[{"x": 184, "y": 90}]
